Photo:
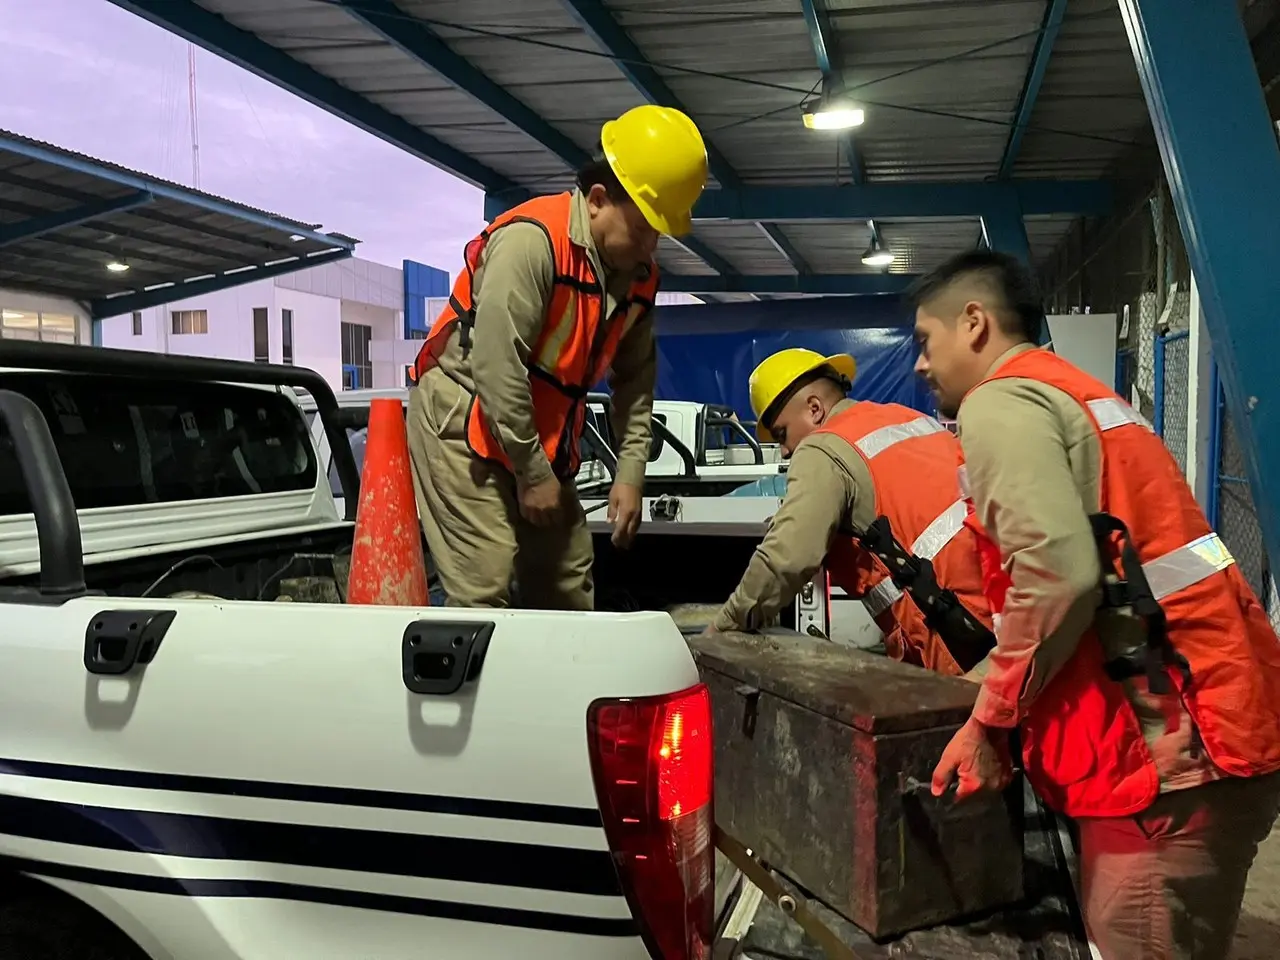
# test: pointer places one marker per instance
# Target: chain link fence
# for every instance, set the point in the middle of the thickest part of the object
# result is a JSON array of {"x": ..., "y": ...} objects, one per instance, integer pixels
[{"x": 1172, "y": 391}]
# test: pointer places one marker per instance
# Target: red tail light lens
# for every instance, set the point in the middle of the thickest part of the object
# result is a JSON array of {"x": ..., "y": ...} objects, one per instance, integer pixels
[{"x": 652, "y": 761}]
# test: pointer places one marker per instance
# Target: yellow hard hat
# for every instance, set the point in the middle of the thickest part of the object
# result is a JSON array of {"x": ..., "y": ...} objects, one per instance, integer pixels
[
  {"x": 774, "y": 376},
  {"x": 658, "y": 156}
]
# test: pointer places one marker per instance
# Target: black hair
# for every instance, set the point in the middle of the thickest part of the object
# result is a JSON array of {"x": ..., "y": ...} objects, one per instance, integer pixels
[
  {"x": 597, "y": 171},
  {"x": 824, "y": 372},
  {"x": 1019, "y": 311}
]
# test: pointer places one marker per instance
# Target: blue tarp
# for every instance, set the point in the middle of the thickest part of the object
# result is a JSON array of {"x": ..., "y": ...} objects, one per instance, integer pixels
[{"x": 713, "y": 368}]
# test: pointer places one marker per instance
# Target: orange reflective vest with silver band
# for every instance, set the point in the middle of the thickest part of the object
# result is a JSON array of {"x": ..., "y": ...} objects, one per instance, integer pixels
[
  {"x": 1209, "y": 641},
  {"x": 572, "y": 353},
  {"x": 918, "y": 506}
]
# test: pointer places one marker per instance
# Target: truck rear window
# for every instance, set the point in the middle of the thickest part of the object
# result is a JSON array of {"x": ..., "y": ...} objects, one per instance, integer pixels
[{"x": 125, "y": 441}]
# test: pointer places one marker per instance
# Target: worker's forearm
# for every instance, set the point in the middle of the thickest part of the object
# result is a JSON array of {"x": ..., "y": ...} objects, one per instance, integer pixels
[
  {"x": 1027, "y": 497},
  {"x": 508, "y": 409},
  {"x": 818, "y": 497},
  {"x": 634, "y": 372}
]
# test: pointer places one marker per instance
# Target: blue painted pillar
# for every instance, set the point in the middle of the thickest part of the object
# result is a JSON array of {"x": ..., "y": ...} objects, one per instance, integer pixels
[
  {"x": 1005, "y": 230},
  {"x": 1223, "y": 167}
]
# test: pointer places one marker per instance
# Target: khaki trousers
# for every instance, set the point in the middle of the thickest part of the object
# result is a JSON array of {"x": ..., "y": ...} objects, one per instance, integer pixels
[
  {"x": 470, "y": 515},
  {"x": 1167, "y": 884}
]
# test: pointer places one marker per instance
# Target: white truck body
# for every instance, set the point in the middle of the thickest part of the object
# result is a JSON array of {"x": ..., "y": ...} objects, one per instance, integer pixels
[{"x": 260, "y": 780}]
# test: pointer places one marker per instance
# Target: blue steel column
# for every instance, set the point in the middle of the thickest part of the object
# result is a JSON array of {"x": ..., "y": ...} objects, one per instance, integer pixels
[
  {"x": 1005, "y": 230},
  {"x": 1223, "y": 167}
]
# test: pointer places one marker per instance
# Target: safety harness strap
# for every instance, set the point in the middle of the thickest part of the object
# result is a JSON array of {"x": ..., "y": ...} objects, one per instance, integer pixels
[{"x": 966, "y": 637}]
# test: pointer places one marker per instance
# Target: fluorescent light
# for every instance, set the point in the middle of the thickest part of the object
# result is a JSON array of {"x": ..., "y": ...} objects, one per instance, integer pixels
[
  {"x": 877, "y": 258},
  {"x": 116, "y": 266},
  {"x": 11, "y": 315},
  {"x": 834, "y": 118}
]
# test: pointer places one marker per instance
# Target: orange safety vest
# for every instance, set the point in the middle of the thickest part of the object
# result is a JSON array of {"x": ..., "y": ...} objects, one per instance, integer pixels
[
  {"x": 575, "y": 348},
  {"x": 1209, "y": 640},
  {"x": 910, "y": 456}
]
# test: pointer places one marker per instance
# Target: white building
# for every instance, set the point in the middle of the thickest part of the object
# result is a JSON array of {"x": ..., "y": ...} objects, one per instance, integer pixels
[
  {"x": 34, "y": 316},
  {"x": 333, "y": 318},
  {"x": 356, "y": 322}
]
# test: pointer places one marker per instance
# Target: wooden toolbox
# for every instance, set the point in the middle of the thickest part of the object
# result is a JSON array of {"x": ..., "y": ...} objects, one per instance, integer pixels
[{"x": 824, "y": 755}]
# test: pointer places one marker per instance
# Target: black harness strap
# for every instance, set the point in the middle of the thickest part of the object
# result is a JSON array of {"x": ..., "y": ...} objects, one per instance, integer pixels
[
  {"x": 1134, "y": 591},
  {"x": 966, "y": 637}
]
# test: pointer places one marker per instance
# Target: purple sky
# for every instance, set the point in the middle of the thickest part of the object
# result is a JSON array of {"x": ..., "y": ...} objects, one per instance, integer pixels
[{"x": 86, "y": 75}]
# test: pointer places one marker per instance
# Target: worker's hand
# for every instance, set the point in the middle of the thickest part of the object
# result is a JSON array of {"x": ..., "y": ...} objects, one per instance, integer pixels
[
  {"x": 978, "y": 758},
  {"x": 625, "y": 504},
  {"x": 540, "y": 504}
]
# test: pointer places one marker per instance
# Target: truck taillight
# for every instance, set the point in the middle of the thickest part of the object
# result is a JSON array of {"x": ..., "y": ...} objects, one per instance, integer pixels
[{"x": 652, "y": 762}]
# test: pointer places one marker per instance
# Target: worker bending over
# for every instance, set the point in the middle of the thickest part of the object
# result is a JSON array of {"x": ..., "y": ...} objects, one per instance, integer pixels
[
  {"x": 554, "y": 294},
  {"x": 865, "y": 479},
  {"x": 1137, "y": 661}
]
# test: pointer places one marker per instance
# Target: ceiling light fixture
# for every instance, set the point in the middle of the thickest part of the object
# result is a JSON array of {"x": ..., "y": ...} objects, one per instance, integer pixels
[
  {"x": 876, "y": 255},
  {"x": 117, "y": 266},
  {"x": 832, "y": 115}
]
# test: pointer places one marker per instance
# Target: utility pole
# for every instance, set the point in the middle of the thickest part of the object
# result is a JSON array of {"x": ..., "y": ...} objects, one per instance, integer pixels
[{"x": 195, "y": 116}]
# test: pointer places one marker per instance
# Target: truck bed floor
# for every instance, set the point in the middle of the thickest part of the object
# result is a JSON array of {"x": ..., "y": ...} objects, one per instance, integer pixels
[{"x": 1046, "y": 927}]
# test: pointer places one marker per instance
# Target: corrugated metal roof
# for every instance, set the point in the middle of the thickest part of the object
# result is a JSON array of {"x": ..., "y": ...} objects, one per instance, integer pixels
[
  {"x": 940, "y": 80},
  {"x": 64, "y": 216}
]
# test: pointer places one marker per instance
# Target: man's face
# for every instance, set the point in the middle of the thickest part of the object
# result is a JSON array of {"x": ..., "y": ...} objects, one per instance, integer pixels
[
  {"x": 623, "y": 236},
  {"x": 950, "y": 347},
  {"x": 799, "y": 417}
]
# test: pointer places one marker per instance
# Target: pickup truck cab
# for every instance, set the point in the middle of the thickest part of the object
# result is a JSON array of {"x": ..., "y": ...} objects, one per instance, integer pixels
[{"x": 201, "y": 759}]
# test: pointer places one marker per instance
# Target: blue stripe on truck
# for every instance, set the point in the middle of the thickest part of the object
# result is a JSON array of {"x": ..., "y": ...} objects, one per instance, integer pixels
[
  {"x": 468, "y": 860},
  {"x": 307, "y": 793},
  {"x": 356, "y": 899}
]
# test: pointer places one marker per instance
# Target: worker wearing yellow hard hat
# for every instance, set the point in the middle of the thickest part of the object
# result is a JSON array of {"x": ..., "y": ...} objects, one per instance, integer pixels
[
  {"x": 869, "y": 486},
  {"x": 556, "y": 294}
]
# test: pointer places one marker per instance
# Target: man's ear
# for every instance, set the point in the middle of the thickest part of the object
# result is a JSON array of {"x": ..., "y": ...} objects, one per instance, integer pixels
[
  {"x": 975, "y": 322},
  {"x": 597, "y": 198}
]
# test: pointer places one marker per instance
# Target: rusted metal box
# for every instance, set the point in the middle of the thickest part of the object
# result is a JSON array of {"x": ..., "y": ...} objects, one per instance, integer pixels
[{"x": 824, "y": 755}]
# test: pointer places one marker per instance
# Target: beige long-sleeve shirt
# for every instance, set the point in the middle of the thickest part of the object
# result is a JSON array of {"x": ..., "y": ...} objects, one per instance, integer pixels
[
  {"x": 511, "y": 290},
  {"x": 829, "y": 488},
  {"x": 1034, "y": 467}
]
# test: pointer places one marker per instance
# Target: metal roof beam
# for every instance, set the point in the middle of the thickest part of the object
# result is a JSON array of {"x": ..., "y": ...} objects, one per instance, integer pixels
[
  {"x": 785, "y": 247},
  {"x": 192, "y": 22},
  {"x": 859, "y": 284},
  {"x": 880, "y": 201},
  {"x": 600, "y": 25},
  {"x": 1054, "y": 11},
  {"x": 1201, "y": 85},
  {"x": 172, "y": 292},
  {"x": 824, "y": 47},
  {"x": 51, "y": 222},
  {"x": 422, "y": 43}
]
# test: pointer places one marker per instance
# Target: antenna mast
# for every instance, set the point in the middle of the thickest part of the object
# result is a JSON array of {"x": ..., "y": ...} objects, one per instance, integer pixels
[{"x": 195, "y": 117}]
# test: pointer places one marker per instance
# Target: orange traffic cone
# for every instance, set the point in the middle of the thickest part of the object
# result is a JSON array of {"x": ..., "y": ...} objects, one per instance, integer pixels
[{"x": 387, "y": 566}]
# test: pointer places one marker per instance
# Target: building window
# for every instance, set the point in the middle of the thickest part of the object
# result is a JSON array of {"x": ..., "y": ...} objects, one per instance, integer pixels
[
  {"x": 137, "y": 323},
  {"x": 36, "y": 325},
  {"x": 190, "y": 321},
  {"x": 357, "y": 368},
  {"x": 261, "y": 336},
  {"x": 286, "y": 336}
]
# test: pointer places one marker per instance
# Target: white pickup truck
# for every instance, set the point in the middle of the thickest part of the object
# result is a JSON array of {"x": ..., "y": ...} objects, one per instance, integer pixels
[
  {"x": 191, "y": 769},
  {"x": 698, "y": 449}
]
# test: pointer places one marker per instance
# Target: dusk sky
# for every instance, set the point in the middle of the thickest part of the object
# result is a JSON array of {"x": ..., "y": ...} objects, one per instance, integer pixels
[{"x": 88, "y": 76}]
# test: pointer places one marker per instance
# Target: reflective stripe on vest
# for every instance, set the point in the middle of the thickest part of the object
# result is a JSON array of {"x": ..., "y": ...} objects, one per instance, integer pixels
[
  {"x": 941, "y": 531},
  {"x": 878, "y": 441}
]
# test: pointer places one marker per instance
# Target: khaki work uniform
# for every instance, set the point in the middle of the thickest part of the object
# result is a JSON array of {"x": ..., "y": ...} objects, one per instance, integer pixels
[
  {"x": 477, "y": 538},
  {"x": 1166, "y": 884},
  {"x": 829, "y": 488}
]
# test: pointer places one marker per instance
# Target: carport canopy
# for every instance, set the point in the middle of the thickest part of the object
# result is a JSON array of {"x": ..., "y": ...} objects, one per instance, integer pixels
[
  {"x": 118, "y": 241},
  {"x": 1001, "y": 124}
]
